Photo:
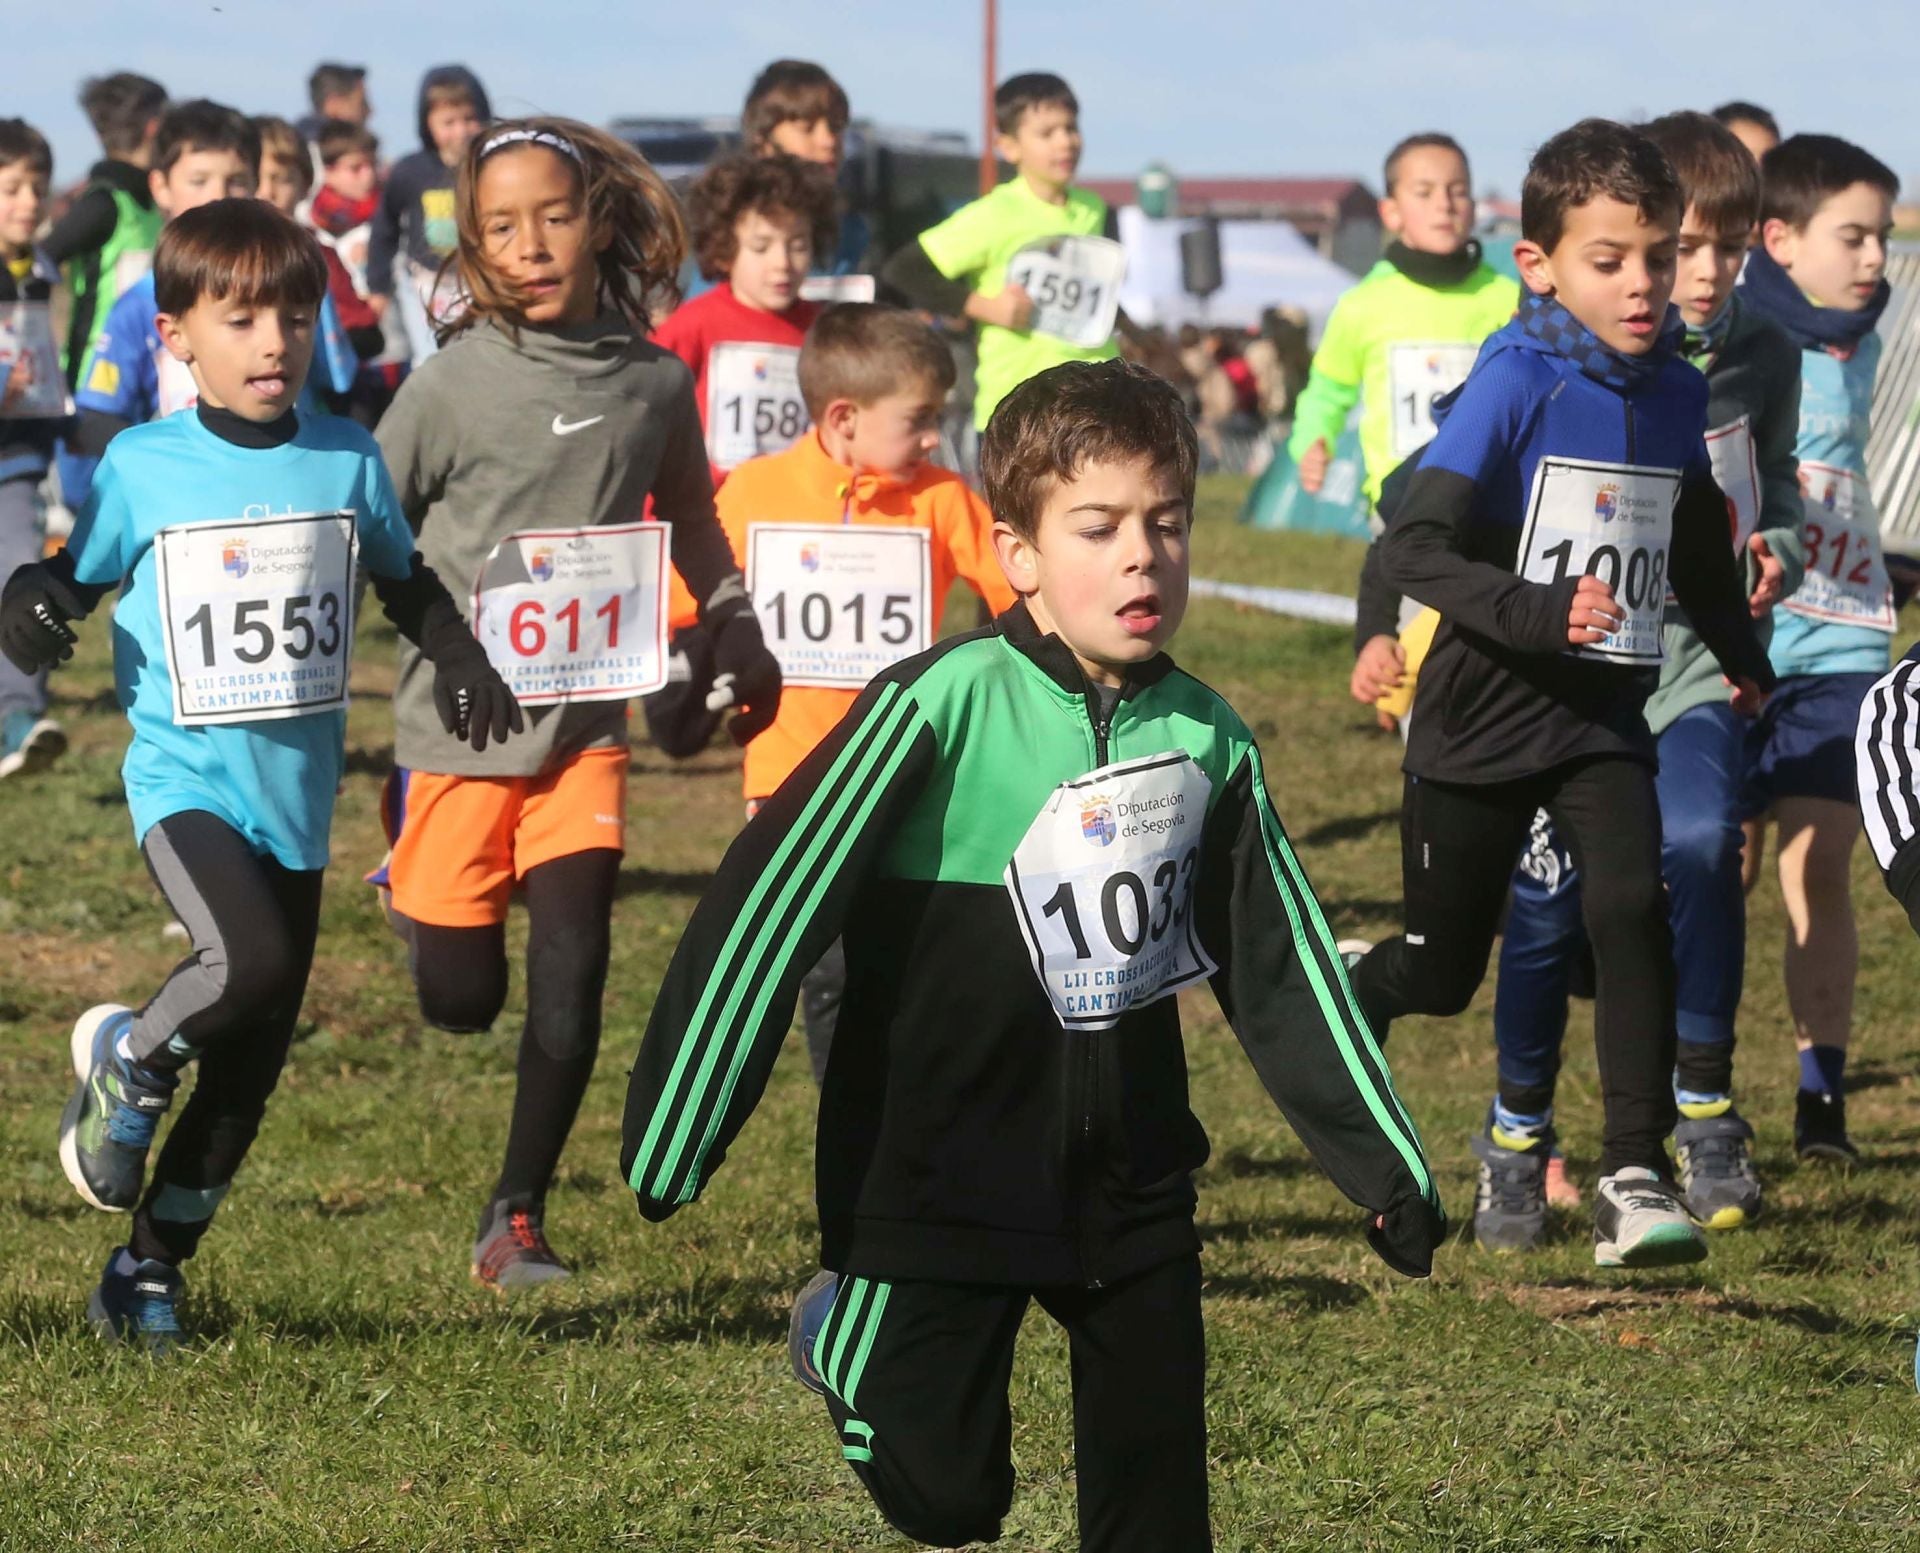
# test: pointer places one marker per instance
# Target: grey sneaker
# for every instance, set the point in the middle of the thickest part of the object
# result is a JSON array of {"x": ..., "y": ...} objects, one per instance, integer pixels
[
  {"x": 1510, "y": 1201},
  {"x": 511, "y": 1251},
  {"x": 108, "y": 1125},
  {"x": 1640, "y": 1220},
  {"x": 1715, "y": 1156}
]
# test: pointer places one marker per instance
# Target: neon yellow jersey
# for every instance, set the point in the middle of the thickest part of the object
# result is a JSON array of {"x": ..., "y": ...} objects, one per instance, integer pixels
[
  {"x": 975, "y": 244},
  {"x": 1394, "y": 345},
  {"x": 97, "y": 282}
]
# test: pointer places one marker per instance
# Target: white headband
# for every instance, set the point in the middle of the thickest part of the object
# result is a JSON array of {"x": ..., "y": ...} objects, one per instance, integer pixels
[{"x": 531, "y": 137}]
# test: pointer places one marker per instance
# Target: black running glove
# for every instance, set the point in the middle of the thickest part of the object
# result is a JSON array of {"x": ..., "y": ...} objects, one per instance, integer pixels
[
  {"x": 1406, "y": 1242},
  {"x": 473, "y": 701},
  {"x": 37, "y": 606},
  {"x": 745, "y": 668}
]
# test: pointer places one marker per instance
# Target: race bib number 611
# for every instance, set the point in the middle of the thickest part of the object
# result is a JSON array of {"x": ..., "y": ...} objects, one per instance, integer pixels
[
  {"x": 257, "y": 616},
  {"x": 1103, "y": 886}
]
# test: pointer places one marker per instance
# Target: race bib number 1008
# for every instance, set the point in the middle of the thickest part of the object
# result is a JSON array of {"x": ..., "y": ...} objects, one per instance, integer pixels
[
  {"x": 1614, "y": 522},
  {"x": 1103, "y": 886},
  {"x": 576, "y": 614},
  {"x": 257, "y": 616}
]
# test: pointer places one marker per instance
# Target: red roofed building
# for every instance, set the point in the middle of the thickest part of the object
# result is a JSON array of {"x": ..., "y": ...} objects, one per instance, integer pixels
[{"x": 1339, "y": 216}]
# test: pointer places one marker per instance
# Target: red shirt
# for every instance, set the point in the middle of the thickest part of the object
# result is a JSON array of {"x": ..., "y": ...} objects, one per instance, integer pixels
[{"x": 744, "y": 381}]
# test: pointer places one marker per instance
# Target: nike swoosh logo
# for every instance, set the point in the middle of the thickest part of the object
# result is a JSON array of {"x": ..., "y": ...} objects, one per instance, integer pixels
[{"x": 562, "y": 427}]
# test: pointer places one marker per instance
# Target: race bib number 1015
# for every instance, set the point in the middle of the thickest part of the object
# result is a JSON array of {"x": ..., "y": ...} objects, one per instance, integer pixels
[
  {"x": 257, "y": 616},
  {"x": 839, "y": 602},
  {"x": 1103, "y": 886}
]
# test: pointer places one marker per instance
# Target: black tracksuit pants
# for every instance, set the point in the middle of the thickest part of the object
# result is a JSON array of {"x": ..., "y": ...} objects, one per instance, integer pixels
[
  {"x": 917, "y": 1377},
  {"x": 1458, "y": 843}
]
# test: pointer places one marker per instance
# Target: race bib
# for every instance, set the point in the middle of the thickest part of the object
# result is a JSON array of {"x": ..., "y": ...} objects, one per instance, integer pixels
[
  {"x": 1846, "y": 577},
  {"x": 839, "y": 602},
  {"x": 1075, "y": 286},
  {"x": 1614, "y": 522},
  {"x": 32, "y": 386},
  {"x": 753, "y": 401},
  {"x": 257, "y": 616},
  {"x": 1737, "y": 472},
  {"x": 1416, "y": 376},
  {"x": 1103, "y": 886},
  {"x": 834, "y": 289},
  {"x": 173, "y": 385},
  {"x": 576, "y": 614}
]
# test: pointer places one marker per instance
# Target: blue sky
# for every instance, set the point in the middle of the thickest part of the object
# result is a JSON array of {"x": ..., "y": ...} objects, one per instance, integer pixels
[{"x": 1247, "y": 86}]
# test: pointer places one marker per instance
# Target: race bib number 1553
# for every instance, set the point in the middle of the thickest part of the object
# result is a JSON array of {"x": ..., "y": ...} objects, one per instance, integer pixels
[{"x": 257, "y": 616}]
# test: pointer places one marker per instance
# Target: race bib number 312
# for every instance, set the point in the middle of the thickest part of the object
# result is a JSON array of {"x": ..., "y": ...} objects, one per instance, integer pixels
[
  {"x": 1103, "y": 886},
  {"x": 257, "y": 616},
  {"x": 1614, "y": 522},
  {"x": 1846, "y": 580},
  {"x": 576, "y": 614}
]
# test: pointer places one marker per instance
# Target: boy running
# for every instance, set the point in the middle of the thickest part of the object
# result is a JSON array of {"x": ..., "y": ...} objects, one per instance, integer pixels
[
  {"x": 1753, "y": 411},
  {"x": 1567, "y": 484},
  {"x": 231, "y": 532},
  {"x": 1030, "y": 836},
  {"x": 1825, "y": 214},
  {"x": 1034, "y": 263}
]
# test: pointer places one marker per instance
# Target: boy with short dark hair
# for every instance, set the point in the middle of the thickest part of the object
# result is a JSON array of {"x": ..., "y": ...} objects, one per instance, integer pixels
[
  {"x": 1034, "y": 263},
  {"x": 882, "y": 535},
  {"x": 1567, "y": 487},
  {"x": 1398, "y": 341},
  {"x": 204, "y": 151},
  {"x": 1030, "y": 836},
  {"x": 231, "y": 532},
  {"x": 1754, "y": 127},
  {"x": 414, "y": 230},
  {"x": 33, "y": 409},
  {"x": 105, "y": 241},
  {"x": 1820, "y": 274},
  {"x": 1753, "y": 412},
  {"x": 335, "y": 94}
]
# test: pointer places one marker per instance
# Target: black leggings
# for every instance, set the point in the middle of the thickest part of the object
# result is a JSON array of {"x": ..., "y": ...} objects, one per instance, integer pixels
[
  {"x": 1458, "y": 845},
  {"x": 232, "y": 1003},
  {"x": 461, "y": 975},
  {"x": 917, "y": 1377}
]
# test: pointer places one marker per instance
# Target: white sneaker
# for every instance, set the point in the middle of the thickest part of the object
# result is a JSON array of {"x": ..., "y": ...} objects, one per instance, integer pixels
[{"x": 1639, "y": 1220}]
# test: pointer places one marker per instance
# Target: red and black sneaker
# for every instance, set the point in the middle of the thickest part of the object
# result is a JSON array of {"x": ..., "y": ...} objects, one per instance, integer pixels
[{"x": 511, "y": 1251}]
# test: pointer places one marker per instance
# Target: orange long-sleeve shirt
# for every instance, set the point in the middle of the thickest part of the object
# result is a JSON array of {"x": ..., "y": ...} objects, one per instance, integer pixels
[{"x": 803, "y": 484}]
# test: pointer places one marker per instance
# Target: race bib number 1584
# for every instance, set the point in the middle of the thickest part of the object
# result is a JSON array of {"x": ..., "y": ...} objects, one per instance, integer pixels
[{"x": 1103, "y": 886}]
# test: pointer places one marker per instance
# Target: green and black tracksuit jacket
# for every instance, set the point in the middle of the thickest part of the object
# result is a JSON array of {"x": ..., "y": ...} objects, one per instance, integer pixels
[{"x": 965, "y": 1134}]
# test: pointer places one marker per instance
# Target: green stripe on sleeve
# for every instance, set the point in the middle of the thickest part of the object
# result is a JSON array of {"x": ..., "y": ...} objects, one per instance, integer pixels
[
  {"x": 1337, "y": 1007},
  {"x": 694, "y": 1043}
]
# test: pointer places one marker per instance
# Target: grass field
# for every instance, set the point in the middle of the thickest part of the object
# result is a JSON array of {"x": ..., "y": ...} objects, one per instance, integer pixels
[{"x": 349, "y": 1388}]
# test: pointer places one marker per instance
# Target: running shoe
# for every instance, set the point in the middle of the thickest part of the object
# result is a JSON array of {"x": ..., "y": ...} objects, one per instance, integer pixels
[
  {"x": 511, "y": 1251},
  {"x": 810, "y": 1309},
  {"x": 1510, "y": 1201},
  {"x": 1641, "y": 1220},
  {"x": 108, "y": 1125},
  {"x": 1715, "y": 1156},
  {"x": 1820, "y": 1127},
  {"x": 29, "y": 743},
  {"x": 140, "y": 1307}
]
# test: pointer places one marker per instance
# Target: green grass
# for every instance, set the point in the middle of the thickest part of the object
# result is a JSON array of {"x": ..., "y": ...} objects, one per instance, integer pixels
[{"x": 349, "y": 1388}]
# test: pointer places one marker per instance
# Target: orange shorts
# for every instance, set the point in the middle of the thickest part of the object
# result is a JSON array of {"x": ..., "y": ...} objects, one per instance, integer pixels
[{"x": 463, "y": 841}]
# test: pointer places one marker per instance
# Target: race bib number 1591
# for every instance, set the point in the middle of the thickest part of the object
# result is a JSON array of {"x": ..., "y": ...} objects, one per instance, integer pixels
[{"x": 1103, "y": 886}]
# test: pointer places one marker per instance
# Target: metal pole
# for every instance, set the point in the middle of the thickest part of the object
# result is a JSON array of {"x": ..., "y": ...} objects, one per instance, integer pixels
[{"x": 989, "y": 165}]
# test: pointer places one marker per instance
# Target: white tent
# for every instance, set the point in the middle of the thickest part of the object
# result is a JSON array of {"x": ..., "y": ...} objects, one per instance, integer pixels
[{"x": 1263, "y": 264}]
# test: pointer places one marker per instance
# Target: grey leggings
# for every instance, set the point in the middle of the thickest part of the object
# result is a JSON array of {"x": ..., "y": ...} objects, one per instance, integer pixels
[{"x": 21, "y": 536}]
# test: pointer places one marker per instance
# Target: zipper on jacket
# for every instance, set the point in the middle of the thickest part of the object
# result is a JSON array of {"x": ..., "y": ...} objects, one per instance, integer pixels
[
  {"x": 1102, "y": 721},
  {"x": 1626, "y": 404}
]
